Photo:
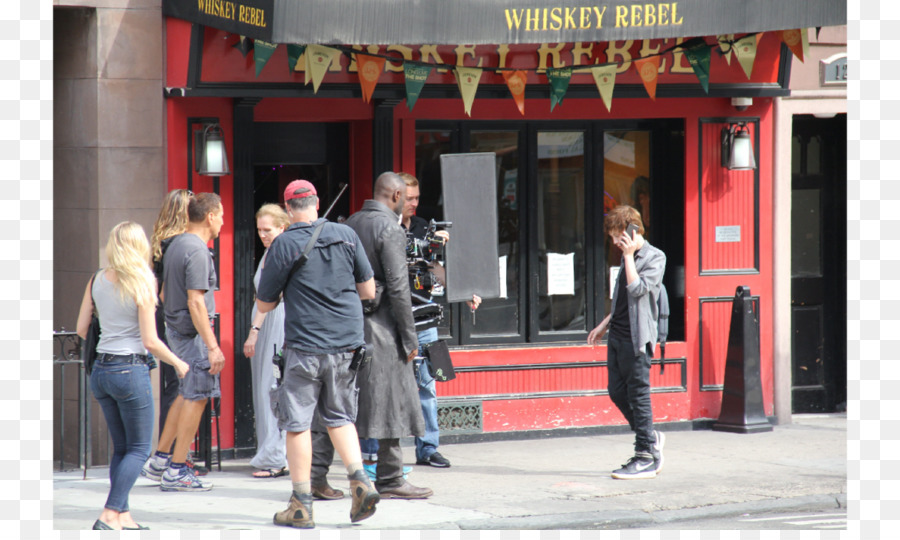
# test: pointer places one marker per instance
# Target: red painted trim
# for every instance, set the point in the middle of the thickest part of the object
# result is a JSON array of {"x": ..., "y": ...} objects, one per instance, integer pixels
[{"x": 178, "y": 50}]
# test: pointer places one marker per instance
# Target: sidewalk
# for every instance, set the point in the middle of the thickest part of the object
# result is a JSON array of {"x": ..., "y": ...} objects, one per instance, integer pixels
[{"x": 559, "y": 483}]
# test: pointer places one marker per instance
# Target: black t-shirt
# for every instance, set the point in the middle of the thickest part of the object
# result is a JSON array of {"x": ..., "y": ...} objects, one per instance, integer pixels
[{"x": 620, "y": 324}]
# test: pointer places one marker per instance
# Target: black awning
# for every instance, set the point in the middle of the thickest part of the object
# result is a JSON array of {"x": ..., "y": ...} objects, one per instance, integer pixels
[{"x": 439, "y": 22}]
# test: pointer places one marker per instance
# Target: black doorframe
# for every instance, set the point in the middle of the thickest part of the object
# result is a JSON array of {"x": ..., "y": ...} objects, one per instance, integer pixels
[{"x": 249, "y": 143}]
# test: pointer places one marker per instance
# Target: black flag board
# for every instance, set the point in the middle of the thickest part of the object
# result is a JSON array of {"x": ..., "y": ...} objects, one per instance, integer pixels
[{"x": 470, "y": 201}]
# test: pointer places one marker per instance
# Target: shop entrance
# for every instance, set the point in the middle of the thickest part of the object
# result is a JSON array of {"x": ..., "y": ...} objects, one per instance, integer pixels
[
  {"x": 818, "y": 263},
  {"x": 282, "y": 152}
]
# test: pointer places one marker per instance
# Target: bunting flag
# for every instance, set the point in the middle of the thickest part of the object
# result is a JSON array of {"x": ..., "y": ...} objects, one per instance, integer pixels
[
  {"x": 515, "y": 80},
  {"x": 318, "y": 60},
  {"x": 244, "y": 44},
  {"x": 818, "y": 29},
  {"x": 294, "y": 53},
  {"x": 725, "y": 46},
  {"x": 698, "y": 56},
  {"x": 605, "y": 78},
  {"x": 794, "y": 42},
  {"x": 369, "y": 68},
  {"x": 745, "y": 50},
  {"x": 648, "y": 69},
  {"x": 415, "y": 75},
  {"x": 559, "y": 84},
  {"x": 804, "y": 38},
  {"x": 467, "y": 79},
  {"x": 262, "y": 51}
]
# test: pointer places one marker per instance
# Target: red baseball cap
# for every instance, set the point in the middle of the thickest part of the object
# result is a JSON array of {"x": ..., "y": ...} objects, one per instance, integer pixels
[{"x": 290, "y": 192}]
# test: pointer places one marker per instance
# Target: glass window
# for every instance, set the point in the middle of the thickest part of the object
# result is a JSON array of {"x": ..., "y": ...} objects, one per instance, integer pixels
[
  {"x": 626, "y": 180},
  {"x": 560, "y": 228},
  {"x": 501, "y": 316}
]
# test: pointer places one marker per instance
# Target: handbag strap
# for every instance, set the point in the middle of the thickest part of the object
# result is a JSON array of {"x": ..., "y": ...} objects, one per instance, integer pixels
[{"x": 91, "y": 288}]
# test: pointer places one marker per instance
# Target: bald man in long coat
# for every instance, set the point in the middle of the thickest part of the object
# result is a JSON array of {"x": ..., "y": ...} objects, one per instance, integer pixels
[{"x": 388, "y": 396}]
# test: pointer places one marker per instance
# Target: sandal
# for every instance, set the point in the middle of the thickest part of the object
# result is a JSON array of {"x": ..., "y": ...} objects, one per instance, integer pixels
[{"x": 271, "y": 473}]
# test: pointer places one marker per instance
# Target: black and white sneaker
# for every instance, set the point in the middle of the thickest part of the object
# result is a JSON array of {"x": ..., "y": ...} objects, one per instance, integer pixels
[
  {"x": 657, "y": 450},
  {"x": 642, "y": 465}
]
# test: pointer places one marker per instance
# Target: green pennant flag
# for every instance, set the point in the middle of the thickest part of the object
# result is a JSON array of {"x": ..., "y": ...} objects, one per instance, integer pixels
[
  {"x": 262, "y": 51},
  {"x": 415, "y": 75},
  {"x": 559, "y": 84},
  {"x": 698, "y": 56},
  {"x": 294, "y": 54}
]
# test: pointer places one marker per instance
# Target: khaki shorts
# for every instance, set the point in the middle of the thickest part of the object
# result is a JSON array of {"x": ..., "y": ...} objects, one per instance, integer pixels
[{"x": 315, "y": 382}]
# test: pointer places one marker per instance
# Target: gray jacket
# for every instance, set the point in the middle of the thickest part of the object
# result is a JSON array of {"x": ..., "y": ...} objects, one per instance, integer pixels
[{"x": 643, "y": 297}]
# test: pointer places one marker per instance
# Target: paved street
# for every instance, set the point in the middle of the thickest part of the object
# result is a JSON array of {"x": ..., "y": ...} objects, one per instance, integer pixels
[{"x": 721, "y": 479}]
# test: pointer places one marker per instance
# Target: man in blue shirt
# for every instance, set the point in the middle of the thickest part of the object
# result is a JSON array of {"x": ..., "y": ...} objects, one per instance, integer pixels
[{"x": 323, "y": 329}]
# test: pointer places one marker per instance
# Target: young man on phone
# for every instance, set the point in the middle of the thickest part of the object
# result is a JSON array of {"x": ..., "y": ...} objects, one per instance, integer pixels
[{"x": 632, "y": 326}]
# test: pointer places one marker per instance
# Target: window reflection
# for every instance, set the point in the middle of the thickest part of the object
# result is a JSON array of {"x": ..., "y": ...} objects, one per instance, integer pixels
[{"x": 560, "y": 170}]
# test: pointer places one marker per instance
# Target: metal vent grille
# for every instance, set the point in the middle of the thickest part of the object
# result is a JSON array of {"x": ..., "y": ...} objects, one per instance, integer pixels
[{"x": 460, "y": 417}]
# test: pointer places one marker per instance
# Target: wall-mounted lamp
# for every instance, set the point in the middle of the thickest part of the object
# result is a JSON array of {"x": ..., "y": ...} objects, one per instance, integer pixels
[
  {"x": 737, "y": 149},
  {"x": 209, "y": 151}
]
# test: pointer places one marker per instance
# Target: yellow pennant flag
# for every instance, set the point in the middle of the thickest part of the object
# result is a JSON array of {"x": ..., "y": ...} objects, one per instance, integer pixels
[
  {"x": 648, "y": 69},
  {"x": 745, "y": 50},
  {"x": 804, "y": 37},
  {"x": 318, "y": 60},
  {"x": 725, "y": 45},
  {"x": 605, "y": 77},
  {"x": 467, "y": 79}
]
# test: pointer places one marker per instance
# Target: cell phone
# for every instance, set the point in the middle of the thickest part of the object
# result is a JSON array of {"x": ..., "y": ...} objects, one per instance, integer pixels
[{"x": 630, "y": 230}]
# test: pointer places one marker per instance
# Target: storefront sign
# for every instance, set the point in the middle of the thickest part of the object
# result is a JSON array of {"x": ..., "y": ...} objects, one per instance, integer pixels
[
  {"x": 560, "y": 274},
  {"x": 731, "y": 233},
  {"x": 498, "y": 21}
]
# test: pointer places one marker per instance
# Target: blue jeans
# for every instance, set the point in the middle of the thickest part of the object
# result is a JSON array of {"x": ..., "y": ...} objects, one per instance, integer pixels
[
  {"x": 629, "y": 389},
  {"x": 122, "y": 388},
  {"x": 369, "y": 449},
  {"x": 427, "y": 444}
]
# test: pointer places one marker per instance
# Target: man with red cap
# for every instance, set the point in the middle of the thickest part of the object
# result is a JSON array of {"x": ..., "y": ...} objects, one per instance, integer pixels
[{"x": 321, "y": 270}]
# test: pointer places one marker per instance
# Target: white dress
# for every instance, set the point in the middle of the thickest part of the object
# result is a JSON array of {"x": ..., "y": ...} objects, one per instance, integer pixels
[{"x": 270, "y": 441}]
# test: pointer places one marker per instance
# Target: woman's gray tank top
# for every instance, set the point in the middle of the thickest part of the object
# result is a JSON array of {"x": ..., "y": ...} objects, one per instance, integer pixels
[{"x": 120, "y": 332}]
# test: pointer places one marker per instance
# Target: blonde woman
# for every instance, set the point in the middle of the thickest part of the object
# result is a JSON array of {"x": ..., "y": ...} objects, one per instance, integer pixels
[
  {"x": 266, "y": 333},
  {"x": 124, "y": 296}
]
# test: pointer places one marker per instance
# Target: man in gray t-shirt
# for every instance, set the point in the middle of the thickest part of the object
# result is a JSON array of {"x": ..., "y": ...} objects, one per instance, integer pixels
[{"x": 189, "y": 280}]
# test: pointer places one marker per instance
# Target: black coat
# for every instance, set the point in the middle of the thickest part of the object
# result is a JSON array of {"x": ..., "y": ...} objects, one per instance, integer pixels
[{"x": 388, "y": 396}]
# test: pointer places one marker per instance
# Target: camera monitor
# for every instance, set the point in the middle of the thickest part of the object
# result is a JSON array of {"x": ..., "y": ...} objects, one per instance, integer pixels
[{"x": 470, "y": 201}]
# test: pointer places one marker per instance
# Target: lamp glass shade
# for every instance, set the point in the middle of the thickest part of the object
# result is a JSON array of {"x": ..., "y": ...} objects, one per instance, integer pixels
[
  {"x": 213, "y": 159},
  {"x": 741, "y": 155}
]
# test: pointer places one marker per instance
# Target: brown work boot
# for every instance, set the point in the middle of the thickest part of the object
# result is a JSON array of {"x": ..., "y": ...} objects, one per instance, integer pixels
[
  {"x": 404, "y": 491},
  {"x": 322, "y": 491},
  {"x": 365, "y": 497},
  {"x": 299, "y": 513}
]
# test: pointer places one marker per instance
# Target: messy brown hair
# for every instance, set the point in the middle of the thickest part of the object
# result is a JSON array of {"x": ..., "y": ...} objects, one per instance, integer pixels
[{"x": 620, "y": 217}]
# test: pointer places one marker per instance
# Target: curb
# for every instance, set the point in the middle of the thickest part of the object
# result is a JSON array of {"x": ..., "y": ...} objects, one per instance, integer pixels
[{"x": 633, "y": 519}]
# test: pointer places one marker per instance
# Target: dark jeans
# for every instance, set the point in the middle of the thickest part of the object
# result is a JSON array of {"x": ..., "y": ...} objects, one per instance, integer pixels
[
  {"x": 629, "y": 388},
  {"x": 122, "y": 388}
]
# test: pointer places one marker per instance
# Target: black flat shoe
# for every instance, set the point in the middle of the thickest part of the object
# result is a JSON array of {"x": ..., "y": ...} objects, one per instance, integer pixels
[
  {"x": 138, "y": 528},
  {"x": 100, "y": 526}
]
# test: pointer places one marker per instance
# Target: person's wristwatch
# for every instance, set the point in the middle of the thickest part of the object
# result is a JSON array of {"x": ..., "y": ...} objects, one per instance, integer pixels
[{"x": 254, "y": 327}]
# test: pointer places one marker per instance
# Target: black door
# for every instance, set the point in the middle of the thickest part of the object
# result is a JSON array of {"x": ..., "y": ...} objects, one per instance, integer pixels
[
  {"x": 281, "y": 152},
  {"x": 818, "y": 263}
]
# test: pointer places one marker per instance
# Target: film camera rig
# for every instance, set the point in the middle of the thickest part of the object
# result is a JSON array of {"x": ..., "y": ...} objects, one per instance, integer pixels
[{"x": 420, "y": 254}]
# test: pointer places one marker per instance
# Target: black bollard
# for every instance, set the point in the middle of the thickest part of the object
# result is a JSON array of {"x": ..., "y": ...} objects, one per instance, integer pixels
[{"x": 742, "y": 400}]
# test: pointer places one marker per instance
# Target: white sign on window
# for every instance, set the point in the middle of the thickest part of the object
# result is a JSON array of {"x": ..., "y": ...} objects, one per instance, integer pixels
[
  {"x": 503, "y": 276},
  {"x": 560, "y": 274}
]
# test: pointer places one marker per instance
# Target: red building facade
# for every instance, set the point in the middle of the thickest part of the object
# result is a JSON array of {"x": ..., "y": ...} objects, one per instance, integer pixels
[{"x": 522, "y": 362}]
